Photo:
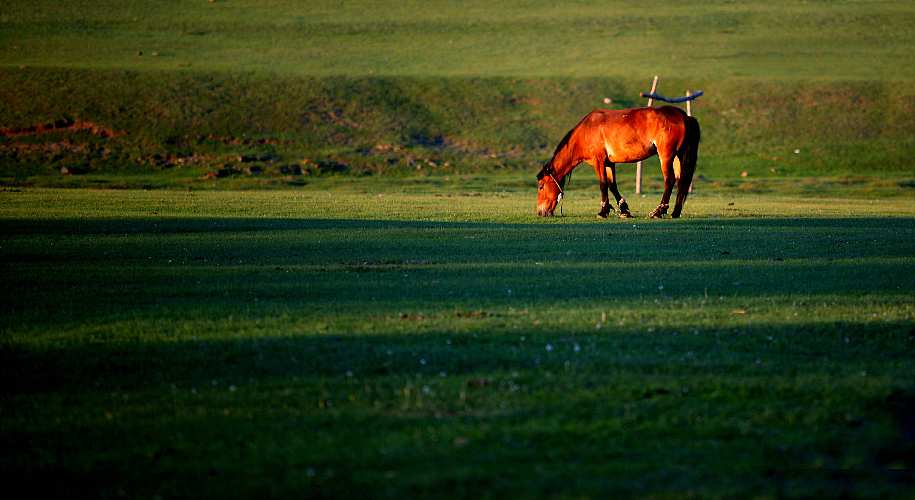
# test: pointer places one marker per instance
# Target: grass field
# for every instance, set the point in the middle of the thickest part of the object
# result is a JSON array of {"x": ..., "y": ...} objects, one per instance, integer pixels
[
  {"x": 758, "y": 40},
  {"x": 260, "y": 91},
  {"x": 434, "y": 341},
  {"x": 287, "y": 249}
]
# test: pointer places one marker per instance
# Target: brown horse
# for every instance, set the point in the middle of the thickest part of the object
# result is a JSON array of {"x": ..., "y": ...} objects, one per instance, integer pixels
[{"x": 606, "y": 137}]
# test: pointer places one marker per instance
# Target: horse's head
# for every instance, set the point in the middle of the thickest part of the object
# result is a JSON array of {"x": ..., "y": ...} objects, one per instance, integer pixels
[{"x": 549, "y": 191}]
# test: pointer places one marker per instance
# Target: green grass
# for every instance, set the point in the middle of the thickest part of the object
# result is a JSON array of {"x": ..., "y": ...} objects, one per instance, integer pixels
[
  {"x": 361, "y": 303},
  {"x": 393, "y": 88},
  {"x": 426, "y": 340},
  {"x": 177, "y": 126},
  {"x": 760, "y": 40}
]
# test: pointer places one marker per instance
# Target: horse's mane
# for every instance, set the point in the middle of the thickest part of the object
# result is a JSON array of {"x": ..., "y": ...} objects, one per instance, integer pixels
[{"x": 565, "y": 140}]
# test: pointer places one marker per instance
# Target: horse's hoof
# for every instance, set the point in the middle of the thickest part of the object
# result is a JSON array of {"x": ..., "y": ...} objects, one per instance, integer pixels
[
  {"x": 602, "y": 215},
  {"x": 625, "y": 215},
  {"x": 659, "y": 212}
]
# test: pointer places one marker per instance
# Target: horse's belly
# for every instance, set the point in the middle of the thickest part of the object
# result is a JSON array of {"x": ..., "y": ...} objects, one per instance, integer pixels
[{"x": 629, "y": 152}]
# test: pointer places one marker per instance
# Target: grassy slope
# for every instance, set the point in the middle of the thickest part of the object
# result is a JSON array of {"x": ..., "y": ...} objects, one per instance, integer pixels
[
  {"x": 423, "y": 335},
  {"x": 763, "y": 40},
  {"x": 476, "y": 87},
  {"x": 438, "y": 343}
]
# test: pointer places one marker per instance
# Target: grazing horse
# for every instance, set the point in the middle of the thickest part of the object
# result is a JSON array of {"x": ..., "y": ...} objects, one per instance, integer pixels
[{"x": 606, "y": 137}]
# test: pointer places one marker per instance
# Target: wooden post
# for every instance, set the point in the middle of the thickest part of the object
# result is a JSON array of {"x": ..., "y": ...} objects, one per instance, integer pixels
[
  {"x": 689, "y": 112},
  {"x": 638, "y": 166}
]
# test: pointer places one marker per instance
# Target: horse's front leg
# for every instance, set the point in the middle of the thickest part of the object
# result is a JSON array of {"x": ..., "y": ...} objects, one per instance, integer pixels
[
  {"x": 667, "y": 168},
  {"x": 605, "y": 207},
  {"x": 620, "y": 201}
]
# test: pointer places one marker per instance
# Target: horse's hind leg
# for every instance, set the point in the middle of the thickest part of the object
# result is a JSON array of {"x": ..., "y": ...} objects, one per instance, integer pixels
[
  {"x": 688, "y": 155},
  {"x": 687, "y": 166},
  {"x": 614, "y": 189},
  {"x": 601, "y": 172},
  {"x": 667, "y": 169},
  {"x": 683, "y": 182}
]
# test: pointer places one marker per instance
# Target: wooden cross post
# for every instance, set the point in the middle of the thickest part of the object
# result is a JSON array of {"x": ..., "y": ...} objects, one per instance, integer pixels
[
  {"x": 689, "y": 112},
  {"x": 638, "y": 166}
]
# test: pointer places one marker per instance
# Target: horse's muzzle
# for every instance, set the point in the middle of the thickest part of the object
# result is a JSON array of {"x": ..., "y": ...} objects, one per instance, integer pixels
[{"x": 542, "y": 212}]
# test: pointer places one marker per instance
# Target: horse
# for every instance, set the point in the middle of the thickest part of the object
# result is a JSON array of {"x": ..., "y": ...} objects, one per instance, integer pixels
[{"x": 605, "y": 137}]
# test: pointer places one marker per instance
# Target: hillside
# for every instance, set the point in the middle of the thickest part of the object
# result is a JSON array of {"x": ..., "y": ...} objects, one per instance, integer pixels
[{"x": 273, "y": 91}]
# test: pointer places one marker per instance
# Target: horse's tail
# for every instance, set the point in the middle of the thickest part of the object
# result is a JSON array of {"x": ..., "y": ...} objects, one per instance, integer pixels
[{"x": 688, "y": 154}]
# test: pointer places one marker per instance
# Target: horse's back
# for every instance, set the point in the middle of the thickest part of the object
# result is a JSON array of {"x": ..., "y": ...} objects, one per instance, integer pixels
[
  {"x": 643, "y": 121},
  {"x": 634, "y": 134},
  {"x": 630, "y": 115}
]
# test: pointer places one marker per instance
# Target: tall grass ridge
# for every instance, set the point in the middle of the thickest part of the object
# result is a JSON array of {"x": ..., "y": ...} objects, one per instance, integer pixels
[{"x": 264, "y": 90}]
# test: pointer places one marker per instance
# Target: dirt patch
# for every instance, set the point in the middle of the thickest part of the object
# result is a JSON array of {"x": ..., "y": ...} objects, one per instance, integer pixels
[
  {"x": 472, "y": 314},
  {"x": 52, "y": 148},
  {"x": 166, "y": 160},
  {"x": 61, "y": 125},
  {"x": 412, "y": 317},
  {"x": 336, "y": 116},
  {"x": 243, "y": 141}
]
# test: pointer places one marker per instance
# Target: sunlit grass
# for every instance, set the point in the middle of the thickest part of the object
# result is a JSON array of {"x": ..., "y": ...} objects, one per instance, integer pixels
[
  {"x": 783, "y": 40},
  {"x": 167, "y": 342}
]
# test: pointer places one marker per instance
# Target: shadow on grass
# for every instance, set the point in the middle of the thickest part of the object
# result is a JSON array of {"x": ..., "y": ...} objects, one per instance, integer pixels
[
  {"x": 329, "y": 241},
  {"x": 183, "y": 225},
  {"x": 532, "y": 411},
  {"x": 62, "y": 272},
  {"x": 592, "y": 413},
  {"x": 802, "y": 349}
]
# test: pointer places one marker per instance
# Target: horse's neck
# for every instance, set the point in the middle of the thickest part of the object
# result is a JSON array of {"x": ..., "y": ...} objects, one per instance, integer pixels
[{"x": 563, "y": 163}]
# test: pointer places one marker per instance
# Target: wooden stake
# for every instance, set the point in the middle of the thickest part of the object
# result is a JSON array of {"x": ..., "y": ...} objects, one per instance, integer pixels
[
  {"x": 654, "y": 88},
  {"x": 689, "y": 112},
  {"x": 638, "y": 166}
]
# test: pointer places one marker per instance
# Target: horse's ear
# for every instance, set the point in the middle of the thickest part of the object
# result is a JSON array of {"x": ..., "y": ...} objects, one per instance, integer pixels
[{"x": 543, "y": 171}]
